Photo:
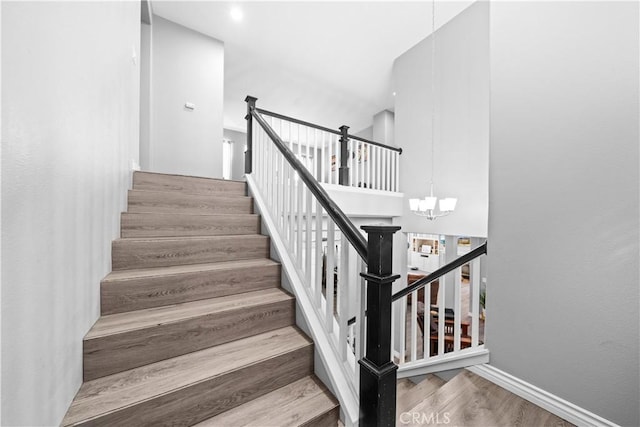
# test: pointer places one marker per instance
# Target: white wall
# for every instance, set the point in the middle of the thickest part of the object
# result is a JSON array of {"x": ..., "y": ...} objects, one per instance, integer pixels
[
  {"x": 187, "y": 67},
  {"x": 70, "y": 130},
  {"x": 461, "y": 124},
  {"x": 384, "y": 128},
  {"x": 562, "y": 296},
  {"x": 145, "y": 96},
  {"x": 239, "y": 141}
]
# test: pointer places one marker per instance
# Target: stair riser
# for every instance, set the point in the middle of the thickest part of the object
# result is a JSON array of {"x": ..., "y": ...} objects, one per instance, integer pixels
[
  {"x": 169, "y": 225},
  {"x": 167, "y": 202},
  {"x": 186, "y": 184},
  {"x": 128, "y": 254},
  {"x": 190, "y": 405},
  {"x": 148, "y": 292},
  {"x": 120, "y": 352}
]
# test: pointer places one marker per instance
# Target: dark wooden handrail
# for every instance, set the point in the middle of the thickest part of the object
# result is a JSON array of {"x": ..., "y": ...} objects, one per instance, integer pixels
[
  {"x": 326, "y": 129},
  {"x": 339, "y": 218},
  {"x": 458, "y": 262},
  {"x": 379, "y": 144},
  {"x": 298, "y": 121}
]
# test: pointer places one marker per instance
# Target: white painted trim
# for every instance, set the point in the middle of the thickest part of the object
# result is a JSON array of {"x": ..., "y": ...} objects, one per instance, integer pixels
[
  {"x": 461, "y": 359},
  {"x": 334, "y": 367},
  {"x": 360, "y": 190},
  {"x": 552, "y": 403}
]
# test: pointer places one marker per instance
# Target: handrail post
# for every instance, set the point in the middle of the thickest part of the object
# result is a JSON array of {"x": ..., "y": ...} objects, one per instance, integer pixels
[
  {"x": 248, "y": 155},
  {"x": 378, "y": 374},
  {"x": 343, "y": 175}
]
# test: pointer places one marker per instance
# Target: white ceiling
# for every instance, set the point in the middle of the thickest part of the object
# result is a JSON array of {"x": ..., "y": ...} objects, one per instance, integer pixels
[{"x": 328, "y": 62}]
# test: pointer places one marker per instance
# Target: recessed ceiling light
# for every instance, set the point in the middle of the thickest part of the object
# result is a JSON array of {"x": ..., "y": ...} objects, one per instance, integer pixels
[
  {"x": 394, "y": 94},
  {"x": 236, "y": 14}
]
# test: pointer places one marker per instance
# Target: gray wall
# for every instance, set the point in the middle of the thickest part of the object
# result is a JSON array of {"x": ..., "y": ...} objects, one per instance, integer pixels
[
  {"x": 70, "y": 96},
  {"x": 562, "y": 301},
  {"x": 187, "y": 67},
  {"x": 462, "y": 123},
  {"x": 239, "y": 140},
  {"x": 384, "y": 127}
]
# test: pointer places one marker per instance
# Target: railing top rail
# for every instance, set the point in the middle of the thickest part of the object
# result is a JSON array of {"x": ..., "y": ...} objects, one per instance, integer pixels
[
  {"x": 458, "y": 262},
  {"x": 339, "y": 218},
  {"x": 298, "y": 121},
  {"x": 326, "y": 129},
  {"x": 379, "y": 144}
]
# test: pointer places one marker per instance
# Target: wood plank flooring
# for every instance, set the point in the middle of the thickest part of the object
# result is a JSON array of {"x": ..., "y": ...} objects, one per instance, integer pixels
[{"x": 471, "y": 401}]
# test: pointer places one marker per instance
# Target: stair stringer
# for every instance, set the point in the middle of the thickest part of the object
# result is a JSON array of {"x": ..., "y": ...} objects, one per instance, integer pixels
[{"x": 338, "y": 376}]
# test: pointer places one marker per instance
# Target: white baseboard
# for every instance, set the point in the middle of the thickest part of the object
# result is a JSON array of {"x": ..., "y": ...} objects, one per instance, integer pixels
[{"x": 552, "y": 403}]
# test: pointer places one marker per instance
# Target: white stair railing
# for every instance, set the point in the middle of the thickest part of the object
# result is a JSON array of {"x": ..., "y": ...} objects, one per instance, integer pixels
[
  {"x": 367, "y": 164},
  {"x": 427, "y": 337},
  {"x": 321, "y": 262}
]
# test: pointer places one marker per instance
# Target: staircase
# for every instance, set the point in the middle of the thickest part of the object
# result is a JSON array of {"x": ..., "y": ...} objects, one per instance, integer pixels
[
  {"x": 194, "y": 327},
  {"x": 466, "y": 400}
]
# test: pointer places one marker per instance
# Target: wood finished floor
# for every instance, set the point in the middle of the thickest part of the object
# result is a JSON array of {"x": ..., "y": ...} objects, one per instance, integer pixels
[{"x": 471, "y": 401}]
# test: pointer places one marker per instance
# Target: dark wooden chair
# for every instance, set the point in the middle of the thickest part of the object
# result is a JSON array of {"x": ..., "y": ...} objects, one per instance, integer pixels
[{"x": 449, "y": 325}]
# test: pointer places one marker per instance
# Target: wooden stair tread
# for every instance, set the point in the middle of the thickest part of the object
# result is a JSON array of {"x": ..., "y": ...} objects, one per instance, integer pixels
[
  {"x": 147, "y": 252},
  {"x": 108, "y": 394},
  {"x": 188, "y": 268},
  {"x": 140, "y": 174},
  {"x": 189, "y": 238},
  {"x": 185, "y": 183},
  {"x": 152, "y": 224},
  {"x": 292, "y": 405},
  {"x": 171, "y": 194},
  {"x": 139, "y": 319},
  {"x": 187, "y": 203}
]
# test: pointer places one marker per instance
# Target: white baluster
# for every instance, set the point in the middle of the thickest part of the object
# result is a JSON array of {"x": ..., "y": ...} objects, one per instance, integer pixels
[
  {"x": 343, "y": 292},
  {"x": 323, "y": 160},
  {"x": 358, "y": 163},
  {"x": 441, "y": 293},
  {"x": 281, "y": 188},
  {"x": 397, "y": 171},
  {"x": 318, "y": 270},
  {"x": 309, "y": 245},
  {"x": 457, "y": 280},
  {"x": 402, "y": 307},
  {"x": 378, "y": 174},
  {"x": 413, "y": 344},
  {"x": 426, "y": 323},
  {"x": 394, "y": 325},
  {"x": 330, "y": 264},
  {"x": 361, "y": 323},
  {"x": 474, "y": 283},
  {"x": 392, "y": 171},
  {"x": 384, "y": 169},
  {"x": 299, "y": 186},
  {"x": 291, "y": 207}
]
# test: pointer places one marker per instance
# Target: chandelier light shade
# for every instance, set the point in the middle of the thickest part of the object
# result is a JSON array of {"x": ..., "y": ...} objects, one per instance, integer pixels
[{"x": 426, "y": 207}]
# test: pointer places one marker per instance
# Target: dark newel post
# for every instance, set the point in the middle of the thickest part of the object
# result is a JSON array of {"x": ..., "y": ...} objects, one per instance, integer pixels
[
  {"x": 377, "y": 370},
  {"x": 248, "y": 159},
  {"x": 343, "y": 175}
]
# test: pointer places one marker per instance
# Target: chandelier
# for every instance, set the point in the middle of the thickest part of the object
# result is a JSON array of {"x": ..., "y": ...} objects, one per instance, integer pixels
[{"x": 426, "y": 207}]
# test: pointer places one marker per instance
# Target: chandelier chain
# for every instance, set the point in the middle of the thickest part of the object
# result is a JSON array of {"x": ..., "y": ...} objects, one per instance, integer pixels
[{"x": 433, "y": 89}]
